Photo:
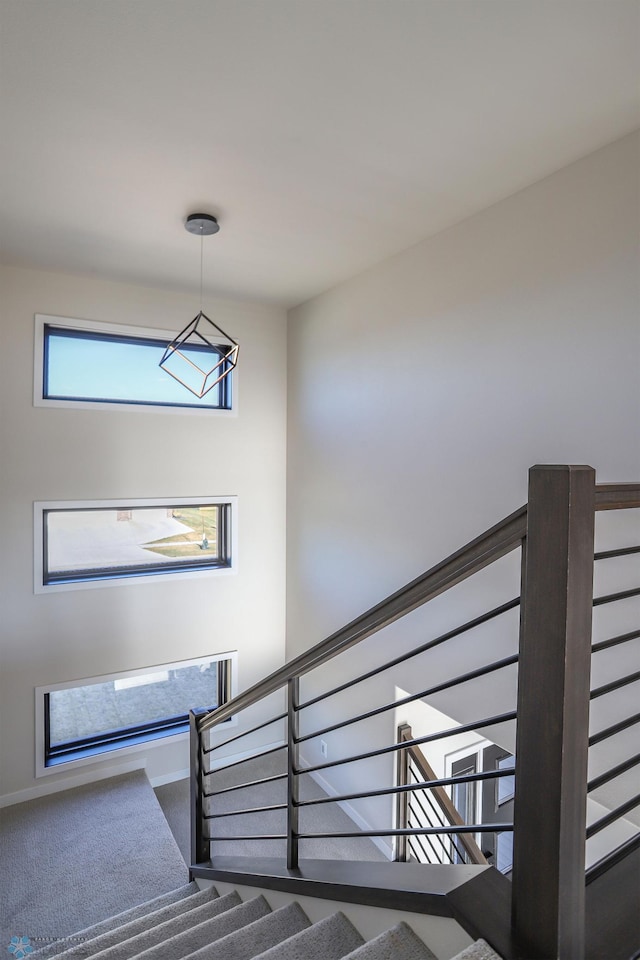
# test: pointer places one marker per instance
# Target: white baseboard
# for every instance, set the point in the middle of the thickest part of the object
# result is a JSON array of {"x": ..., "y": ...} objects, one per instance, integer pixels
[
  {"x": 57, "y": 786},
  {"x": 350, "y": 811},
  {"x": 169, "y": 778}
]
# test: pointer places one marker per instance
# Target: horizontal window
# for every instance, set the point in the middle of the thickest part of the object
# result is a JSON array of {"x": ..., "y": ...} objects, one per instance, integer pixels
[
  {"x": 80, "y": 543},
  {"x": 84, "y": 719},
  {"x": 92, "y": 363}
]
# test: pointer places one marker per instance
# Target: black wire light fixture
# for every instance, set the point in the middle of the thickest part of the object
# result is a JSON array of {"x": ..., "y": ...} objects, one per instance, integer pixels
[{"x": 202, "y": 354}]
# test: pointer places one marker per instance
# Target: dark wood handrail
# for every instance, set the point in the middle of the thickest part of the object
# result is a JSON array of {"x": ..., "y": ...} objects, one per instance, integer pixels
[
  {"x": 489, "y": 546},
  {"x": 441, "y": 796},
  {"x": 617, "y": 496},
  {"x": 478, "y": 553}
]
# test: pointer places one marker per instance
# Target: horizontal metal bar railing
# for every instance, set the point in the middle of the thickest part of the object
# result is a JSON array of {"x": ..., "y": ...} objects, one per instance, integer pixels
[
  {"x": 430, "y": 738},
  {"x": 242, "y": 786},
  {"x": 415, "y": 788},
  {"x": 613, "y": 815},
  {"x": 615, "y": 685},
  {"x": 613, "y": 597},
  {"x": 429, "y": 645},
  {"x": 249, "y": 836},
  {"x": 610, "y": 859},
  {"x": 245, "y": 733},
  {"x": 352, "y": 834},
  {"x": 409, "y": 787},
  {"x": 430, "y": 691},
  {"x": 408, "y": 832},
  {"x": 237, "y": 763},
  {"x": 240, "y": 813},
  {"x": 614, "y": 729},
  {"x": 613, "y": 773},
  {"x": 620, "y": 552},
  {"x": 614, "y": 641},
  {"x": 479, "y": 553}
]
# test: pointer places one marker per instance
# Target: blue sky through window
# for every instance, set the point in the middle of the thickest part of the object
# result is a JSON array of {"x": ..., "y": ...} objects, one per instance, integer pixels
[{"x": 106, "y": 367}]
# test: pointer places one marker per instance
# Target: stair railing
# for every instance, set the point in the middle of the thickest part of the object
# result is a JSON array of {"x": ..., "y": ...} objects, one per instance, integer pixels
[
  {"x": 555, "y": 534},
  {"x": 494, "y": 544},
  {"x": 618, "y": 869},
  {"x": 428, "y": 808}
]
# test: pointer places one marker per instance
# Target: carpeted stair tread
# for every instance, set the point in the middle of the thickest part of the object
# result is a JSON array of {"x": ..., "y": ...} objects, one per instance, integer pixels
[
  {"x": 400, "y": 942},
  {"x": 208, "y": 933},
  {"x": 194, "y": 924},
  {"x": 480, "y": 950},
  {"x": 163, "y": 928},
  {"x": 72, "y": 857},
  {"x": 254, "y": 938},
  {"x": 123, "y": 934},
  {"x": 329, "y": 939},
  {"x": 142, "y": 910}
]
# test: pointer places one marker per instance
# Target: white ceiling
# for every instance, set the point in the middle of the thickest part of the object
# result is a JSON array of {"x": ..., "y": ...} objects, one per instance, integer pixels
[{"x": 326, "y": 135}]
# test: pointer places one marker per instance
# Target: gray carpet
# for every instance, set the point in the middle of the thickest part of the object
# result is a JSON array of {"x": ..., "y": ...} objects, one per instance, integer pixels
[
  {"x": 329, "y": 939},
  {"x": 205, "y": 926},
  {"x": 113, "y": 929},
  {"x": 480, "y": 950},
  {"x": 400, "y": 942},
  {"x": 76, "y": 857}
]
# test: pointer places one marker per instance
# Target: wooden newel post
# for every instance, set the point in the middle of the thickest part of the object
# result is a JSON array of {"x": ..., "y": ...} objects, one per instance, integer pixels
[
  {"x": 553, "y": 714},
  {"x": 199, "y": 843},
  {"x": 293, "y": 693}
]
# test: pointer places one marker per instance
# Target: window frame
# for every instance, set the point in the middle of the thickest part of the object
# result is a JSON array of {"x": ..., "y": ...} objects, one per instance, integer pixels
[
  {"x": 124, "y": 332},
  {"x": 111, "y": 745},
  {"x": 92, "y": 579}
]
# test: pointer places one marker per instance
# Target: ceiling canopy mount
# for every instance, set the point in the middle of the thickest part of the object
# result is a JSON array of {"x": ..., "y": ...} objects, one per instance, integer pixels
[{"x": 201, "y": 224}]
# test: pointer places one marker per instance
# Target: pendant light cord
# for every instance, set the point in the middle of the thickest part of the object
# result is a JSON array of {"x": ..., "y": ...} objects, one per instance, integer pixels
[{"x": 201, "y": 262}]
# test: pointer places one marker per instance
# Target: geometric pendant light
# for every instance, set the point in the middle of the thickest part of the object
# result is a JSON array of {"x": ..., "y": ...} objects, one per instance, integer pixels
[{"x": 202, "y": 354}]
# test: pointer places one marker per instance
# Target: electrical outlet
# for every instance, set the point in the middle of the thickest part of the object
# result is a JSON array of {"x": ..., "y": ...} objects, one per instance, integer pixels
[{"x": 323, "y": 748}]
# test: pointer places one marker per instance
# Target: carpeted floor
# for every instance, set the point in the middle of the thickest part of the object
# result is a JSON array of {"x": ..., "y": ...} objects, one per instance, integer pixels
[{"x": 76, "y": 857}]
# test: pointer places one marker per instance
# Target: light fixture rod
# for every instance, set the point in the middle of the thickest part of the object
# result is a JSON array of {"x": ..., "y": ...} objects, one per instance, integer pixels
[{"x": 201, "y": 267}]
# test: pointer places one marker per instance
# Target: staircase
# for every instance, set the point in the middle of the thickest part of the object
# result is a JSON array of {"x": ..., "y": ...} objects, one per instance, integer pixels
[
  {"x": 195, "y": 924},
  {"x": 551, "y": 908},
  {"x": 510, "y": 663}
]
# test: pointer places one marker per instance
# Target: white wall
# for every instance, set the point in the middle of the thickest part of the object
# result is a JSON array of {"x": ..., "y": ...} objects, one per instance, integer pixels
[
  {"x": 421, "y": 391},
  {"x": 50, "y": 454}
]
